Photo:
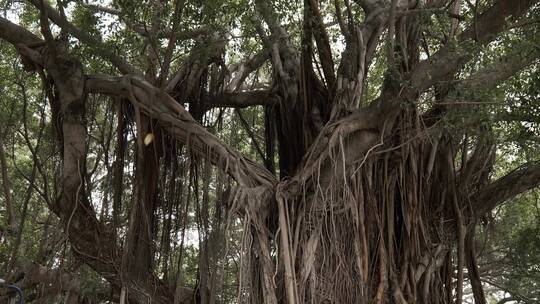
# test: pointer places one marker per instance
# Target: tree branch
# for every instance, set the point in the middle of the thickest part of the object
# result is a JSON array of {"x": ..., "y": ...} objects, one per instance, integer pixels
[
  {"x": 15, "y": 34},
  {"x": 489, "y": 77},
  {"x": 250, "y": 133},
  {"x": 175, "y": 119},
  {"x": 486, "y": 79},
  {"x": 179, "y": 5},
  {"x": 94, "y": 42},
  {"x": 243, "y": 70},
  {"x": 520, "y": 180},
  {"x": 323, "y": 45},
  {"x": 447, "y": 61}
]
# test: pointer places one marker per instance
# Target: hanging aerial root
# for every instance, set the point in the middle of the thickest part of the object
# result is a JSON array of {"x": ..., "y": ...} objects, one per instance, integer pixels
[{"x": 179, "y": 123}]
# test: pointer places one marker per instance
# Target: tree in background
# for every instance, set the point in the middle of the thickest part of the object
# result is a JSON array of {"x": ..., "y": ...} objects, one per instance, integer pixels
[{"x": 270, "y": 152}]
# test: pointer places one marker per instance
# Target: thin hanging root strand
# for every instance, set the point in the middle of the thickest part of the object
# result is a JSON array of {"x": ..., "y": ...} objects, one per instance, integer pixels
[{"x": 290, "y": 276}]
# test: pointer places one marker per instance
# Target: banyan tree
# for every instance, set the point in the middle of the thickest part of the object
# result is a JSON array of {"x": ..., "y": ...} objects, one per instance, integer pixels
[{"x": 363, "y": 170}]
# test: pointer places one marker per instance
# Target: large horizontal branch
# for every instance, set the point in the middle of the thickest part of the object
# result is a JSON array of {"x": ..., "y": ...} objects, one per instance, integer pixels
[
  {"x": 518, "y": 181},
  {"x": 485, "y": 79},
  {"x": 489, "y": 77},
  {"x": 15, "y": 34},
  {"x": 451, "y": 58},
  {"x": 178, "y": 122},
  {"x": 91, "y": 41},
  {"x": 24, "y": 41}
]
